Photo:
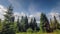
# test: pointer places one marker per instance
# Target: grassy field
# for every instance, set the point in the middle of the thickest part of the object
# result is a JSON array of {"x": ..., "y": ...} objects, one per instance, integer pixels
[{"x": 55, "y": 32}]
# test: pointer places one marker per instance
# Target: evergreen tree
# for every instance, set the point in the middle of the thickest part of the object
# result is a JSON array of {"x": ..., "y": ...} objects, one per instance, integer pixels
[
  {"x": 22, "y": 23},
  {"x": 26, "y": 22},
  {"x": 8, "y": 26},
  {"x": 51, "y": 25},
  {"x": 33, "y": 25},
  {"x": 18, "y": 25},
  {"x": 55, "y": 23},
  {"x": 44, "y": 23}
]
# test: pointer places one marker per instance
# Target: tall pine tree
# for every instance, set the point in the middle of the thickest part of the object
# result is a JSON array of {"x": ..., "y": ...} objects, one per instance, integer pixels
[
  {"x": 51, "y": 25},
  {"x": 55, "y": 23},
  {"x": 33, "y": 25},
  {"x": 26, "y": 23},
  {"x": 23, "y": 24},
  {"x": 18, "y": 25},
  {"x": 44, "y": 23},
  {"x": 8, "y": 26}
]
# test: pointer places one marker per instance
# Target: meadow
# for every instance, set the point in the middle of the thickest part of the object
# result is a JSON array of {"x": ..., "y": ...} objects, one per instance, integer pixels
[{"x": 40, "y": 32}]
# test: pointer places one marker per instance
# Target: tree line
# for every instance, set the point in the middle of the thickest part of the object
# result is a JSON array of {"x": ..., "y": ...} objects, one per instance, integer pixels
[{"x": 9, "y": 26}]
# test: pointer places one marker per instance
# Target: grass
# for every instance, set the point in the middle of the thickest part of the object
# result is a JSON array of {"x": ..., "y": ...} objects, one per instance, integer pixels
[{"x": 55, "y": 32}]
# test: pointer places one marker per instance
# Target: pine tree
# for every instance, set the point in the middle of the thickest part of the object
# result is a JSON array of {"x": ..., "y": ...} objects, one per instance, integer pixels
[
  {"x": 55, "y": 23},
  {"x": 22, "y": 23},
  {"x": 8, "y": 26},
  {"x": 18, "y": 25},
  {"x": 34, "y": 22},
  {"x": 33, "y": 25},
  {"x": 51, "y": 25},
  {"x": 9, "y": 14},
  {"x": 26, "y": 23},
  {"x": 44, "y": 23}
]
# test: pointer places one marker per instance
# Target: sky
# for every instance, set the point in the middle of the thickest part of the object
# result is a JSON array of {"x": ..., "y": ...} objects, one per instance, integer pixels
[{"x": 32, "y": 8}]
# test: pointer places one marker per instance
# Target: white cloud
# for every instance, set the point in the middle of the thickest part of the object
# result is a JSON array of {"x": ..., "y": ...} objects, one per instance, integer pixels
[
  {"x": 2, "y": 11},
  {"x": 19, "y": 14},
  {"x": 52, "y": 14}
]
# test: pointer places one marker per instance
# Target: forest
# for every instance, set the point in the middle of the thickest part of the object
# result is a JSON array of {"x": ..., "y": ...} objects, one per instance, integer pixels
[{"x": 10, "y": 26}]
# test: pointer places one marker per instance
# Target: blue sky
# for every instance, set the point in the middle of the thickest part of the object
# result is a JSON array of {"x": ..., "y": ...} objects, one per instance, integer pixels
[
  {"x": 33, "y": 7},
  {"x": 24, "y": 5}
]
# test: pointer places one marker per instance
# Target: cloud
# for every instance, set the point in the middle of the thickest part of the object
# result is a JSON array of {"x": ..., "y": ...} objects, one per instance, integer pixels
[
  {"x": 19, "y": 14},
  {"x": 2, "y": 11},
  {"x": 52, "y": 14}
]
